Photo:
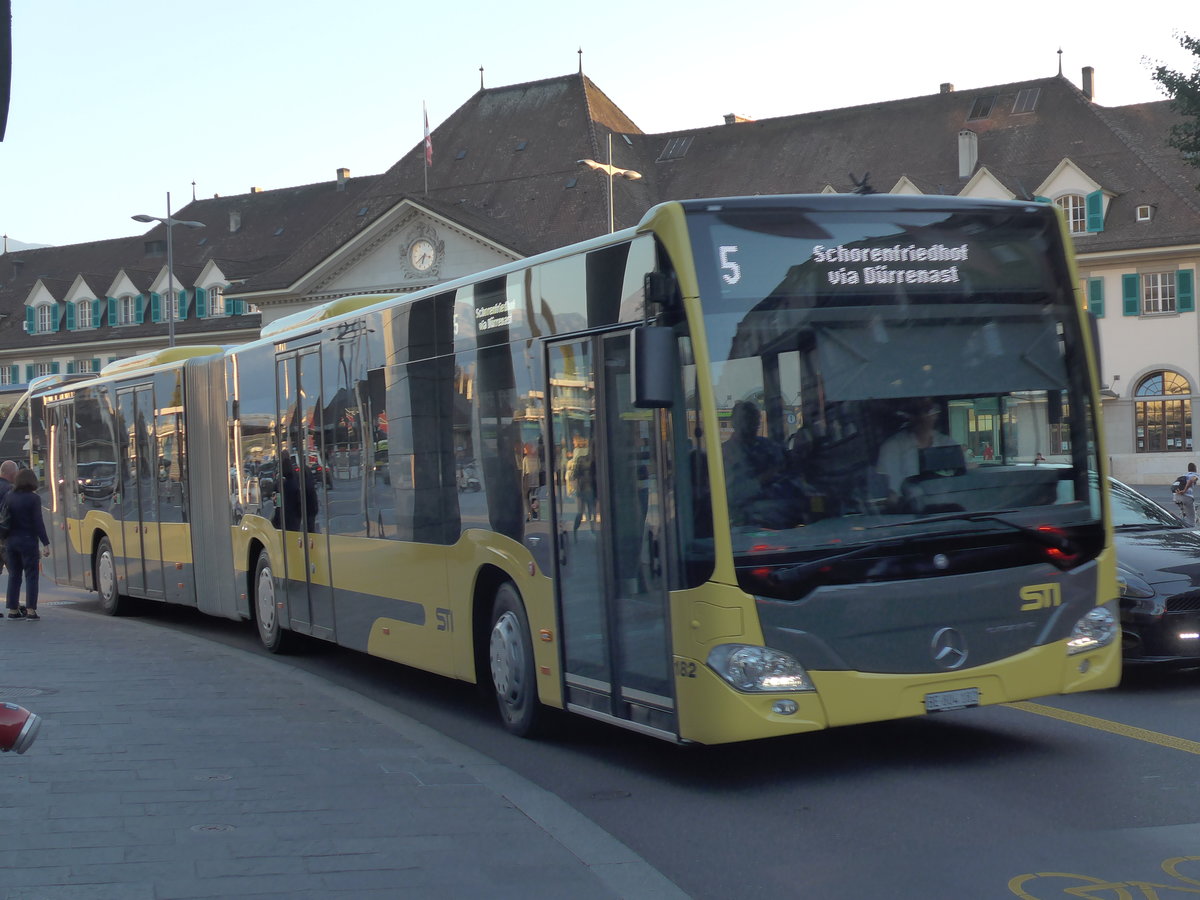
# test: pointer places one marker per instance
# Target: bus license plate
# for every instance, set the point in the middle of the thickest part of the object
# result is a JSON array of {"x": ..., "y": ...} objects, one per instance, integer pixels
[{"x": 944, "y": 700}]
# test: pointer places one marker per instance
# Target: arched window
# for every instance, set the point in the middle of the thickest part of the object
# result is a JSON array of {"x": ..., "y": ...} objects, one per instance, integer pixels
[
  {"x": 1075, "y": 206},
  {"x": 1163, "y": 402}
]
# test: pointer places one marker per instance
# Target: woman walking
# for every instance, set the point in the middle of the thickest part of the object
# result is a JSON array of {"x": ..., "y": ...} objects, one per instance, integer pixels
[{"x": 26, "y": 528}]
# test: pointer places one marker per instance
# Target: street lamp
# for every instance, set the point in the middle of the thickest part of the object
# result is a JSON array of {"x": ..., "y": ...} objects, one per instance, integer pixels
[
  {"x": 610, "y": 170},
  {"x": 171, "y": 298}
]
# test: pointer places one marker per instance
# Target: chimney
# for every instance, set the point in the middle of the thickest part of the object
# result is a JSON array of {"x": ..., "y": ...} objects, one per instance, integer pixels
[
  {"x": 1089, "y": 87},
  {"x": 235, "y": 221},
  {"x": 343, "y": 175},
  {"x": 947, "y": 88},
  {"x": 734, "y": 119},
  {"x": 968, "y": 153},
  {"x": 256, "y": 190}
]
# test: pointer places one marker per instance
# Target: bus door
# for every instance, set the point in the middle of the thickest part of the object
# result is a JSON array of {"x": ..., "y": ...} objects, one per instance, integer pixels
[
  {"x": 301, "y": 456},
  {"x": 61, "y": 495},
  {"x": 611, "y": 587},
  {"x": 141, "y": 549}
]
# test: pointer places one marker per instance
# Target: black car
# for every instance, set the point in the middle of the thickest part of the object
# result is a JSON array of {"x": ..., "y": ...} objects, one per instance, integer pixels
[{"x": 1158, "y": 565}]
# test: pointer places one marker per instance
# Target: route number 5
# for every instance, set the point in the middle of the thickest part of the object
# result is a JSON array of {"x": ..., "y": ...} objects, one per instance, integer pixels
[{"x": 732, "y": 271}]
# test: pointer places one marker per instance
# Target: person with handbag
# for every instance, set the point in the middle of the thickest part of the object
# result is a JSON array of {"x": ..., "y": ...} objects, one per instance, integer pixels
[
  {"x": 8, "y": 474},
  {"x": 22, "y": 527}
]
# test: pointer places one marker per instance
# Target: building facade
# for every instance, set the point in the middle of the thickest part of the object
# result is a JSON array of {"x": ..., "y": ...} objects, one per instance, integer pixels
[{"x": 507, "y": 182}]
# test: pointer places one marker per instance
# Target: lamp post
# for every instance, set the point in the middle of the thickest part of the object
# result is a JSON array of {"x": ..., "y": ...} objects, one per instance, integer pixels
[
  {"x": 610, "y": 170},
  {"x": 171, "y": 298}
]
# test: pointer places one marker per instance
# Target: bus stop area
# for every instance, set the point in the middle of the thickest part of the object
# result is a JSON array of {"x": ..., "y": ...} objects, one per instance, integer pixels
[{"x": 170, "y": 766}]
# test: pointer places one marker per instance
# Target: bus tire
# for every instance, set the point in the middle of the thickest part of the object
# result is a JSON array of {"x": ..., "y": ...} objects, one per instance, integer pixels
[
  {"x": 104, "y": 577},
  {"x": 510, "y": 658},
  {"x": 271, "y": 632}
]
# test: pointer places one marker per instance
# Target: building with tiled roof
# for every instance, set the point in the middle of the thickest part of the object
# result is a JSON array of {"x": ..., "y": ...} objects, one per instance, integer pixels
[{"x": 506, "y": 182}]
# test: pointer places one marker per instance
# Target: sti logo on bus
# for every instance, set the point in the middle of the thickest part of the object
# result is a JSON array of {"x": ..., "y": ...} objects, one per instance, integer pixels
[{"x": 1040, "y": 596}]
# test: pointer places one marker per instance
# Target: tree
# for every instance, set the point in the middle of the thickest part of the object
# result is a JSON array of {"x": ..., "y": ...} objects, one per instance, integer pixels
[{"x": 1184, "y": 91}]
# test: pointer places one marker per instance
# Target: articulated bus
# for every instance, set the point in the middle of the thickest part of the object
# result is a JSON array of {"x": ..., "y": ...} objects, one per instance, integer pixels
[{"x": 753, "y": 467}]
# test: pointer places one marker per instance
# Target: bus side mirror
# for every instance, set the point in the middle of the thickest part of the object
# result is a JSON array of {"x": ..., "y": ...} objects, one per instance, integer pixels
[{"x": 654, "y": 367}]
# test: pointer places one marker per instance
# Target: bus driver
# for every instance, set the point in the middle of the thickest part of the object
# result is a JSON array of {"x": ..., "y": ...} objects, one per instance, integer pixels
[{"x": 900, "y": 455}]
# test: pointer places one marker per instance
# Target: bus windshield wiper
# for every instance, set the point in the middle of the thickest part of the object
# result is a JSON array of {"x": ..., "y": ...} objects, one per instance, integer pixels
[
  {"x": 1046, "y": 535},
  {"x": 810, "y": 574}
]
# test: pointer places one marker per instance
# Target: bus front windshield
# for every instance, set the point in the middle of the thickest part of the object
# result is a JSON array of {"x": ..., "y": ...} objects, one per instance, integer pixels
[{"x": 883, "y": 375}]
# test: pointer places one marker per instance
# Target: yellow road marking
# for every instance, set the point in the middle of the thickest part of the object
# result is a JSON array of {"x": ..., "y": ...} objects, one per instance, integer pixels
[{"x": 1139, "y": 734}]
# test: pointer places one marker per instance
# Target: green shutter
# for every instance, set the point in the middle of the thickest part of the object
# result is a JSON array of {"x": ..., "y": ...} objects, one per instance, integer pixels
[
  {"x": 1131, "y": 295},
  {"x": 1094, "y": 205},
  {"x": 28, "y": 374},
  {"x": 239, "y": 307},
  {"x": 201, "y": 303},
  {"x": 55, "y": 316},
  {"x": 1185, "y": 291},
  {"x": 14, "y": 374},
  {"x": 95, "y": 365},
  {"x": 156, "y": 310},
  {"x": 96, "y": 313},
  {"x": 139, "y": 308},
  {"x": 1037, "y": 199},
  {"x": 1095, "y": 297},
  {"x": 54, "y": 368},
  {"x": 30, "y": 320},
  {"x": 229, "y": 306},
  {"x": 70, "y": 367},
  {"x": 112, "y": 311},
  {"x": 70, "y": 317}
]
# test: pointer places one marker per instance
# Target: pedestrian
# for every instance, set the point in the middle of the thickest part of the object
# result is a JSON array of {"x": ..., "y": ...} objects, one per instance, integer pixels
[
  {"x": 26, "y": 528},
  {"x": 8, "y": 472},
  {"x": 1183, "y": 495}
]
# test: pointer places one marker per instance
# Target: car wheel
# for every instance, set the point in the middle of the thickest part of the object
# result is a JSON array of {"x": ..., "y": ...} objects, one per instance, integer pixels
[
  {"x": 104, "y": 576},
  {"x": 510, "y": 655},
  {"x": 271, "y": 632}
]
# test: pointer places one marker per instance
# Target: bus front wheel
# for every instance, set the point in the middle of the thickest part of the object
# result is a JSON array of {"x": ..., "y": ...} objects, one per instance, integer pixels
[
  {"x": 104, "y": 575},
  {"x": 271, "y": 632},
  {"x": 510, "y": 655}
]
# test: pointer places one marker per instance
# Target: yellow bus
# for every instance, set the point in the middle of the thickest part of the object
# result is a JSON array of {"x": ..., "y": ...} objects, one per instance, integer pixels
[{"x": 753, "y": 467}]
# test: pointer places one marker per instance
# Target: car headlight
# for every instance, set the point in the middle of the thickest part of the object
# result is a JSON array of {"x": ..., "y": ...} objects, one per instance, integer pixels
[
  {"x": 758, "y": 669},
  {"x": 1133, "y": 587},
  {"x": 1096, "y": 629}
]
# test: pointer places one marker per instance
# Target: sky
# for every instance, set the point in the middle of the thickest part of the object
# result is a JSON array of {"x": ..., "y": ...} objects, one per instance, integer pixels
[{"x": 117, "y": 103}]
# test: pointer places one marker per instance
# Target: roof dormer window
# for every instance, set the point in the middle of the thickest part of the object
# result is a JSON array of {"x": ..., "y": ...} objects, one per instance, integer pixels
[
  {"x": 46, "y": 318},
  {"x": 1145, "y": 212},
  {"x": 1076, "y": 209}
]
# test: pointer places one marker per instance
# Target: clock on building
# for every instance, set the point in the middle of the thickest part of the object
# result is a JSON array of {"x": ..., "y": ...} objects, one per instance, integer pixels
[{"x": 422, "y": 254}]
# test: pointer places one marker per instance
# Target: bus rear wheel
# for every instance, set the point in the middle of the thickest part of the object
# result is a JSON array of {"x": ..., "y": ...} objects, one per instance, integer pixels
[
  {"x": 510, "y": 655},
  {"x": 271, "y": 632},
  {"x": 104, "y": 576}
]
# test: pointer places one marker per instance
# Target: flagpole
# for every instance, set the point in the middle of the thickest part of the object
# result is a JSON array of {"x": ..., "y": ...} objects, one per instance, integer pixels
[{"x": 428, "y": 148}]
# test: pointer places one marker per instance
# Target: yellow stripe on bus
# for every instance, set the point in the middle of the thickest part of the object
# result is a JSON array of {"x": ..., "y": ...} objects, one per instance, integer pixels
[{"x": 1130, "y": 731}]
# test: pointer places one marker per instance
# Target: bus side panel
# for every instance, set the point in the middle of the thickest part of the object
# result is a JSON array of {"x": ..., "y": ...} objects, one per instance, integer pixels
[{"x": 209, "y": 498}]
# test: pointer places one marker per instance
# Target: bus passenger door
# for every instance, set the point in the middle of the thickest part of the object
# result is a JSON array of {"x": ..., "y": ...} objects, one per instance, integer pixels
[
  {"x": 611, "y": 586},
  {"x": 60, "y": 496},
  {"x": 139, "y": 494},
  {"x": 304, "y": 506}
]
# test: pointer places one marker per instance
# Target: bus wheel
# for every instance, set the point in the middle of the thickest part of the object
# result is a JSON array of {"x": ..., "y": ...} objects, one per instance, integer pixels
[
  {"x": 104, "y": 576},
  {"x": 271, "y": 632},
  {"x": 510, "y": 653}
]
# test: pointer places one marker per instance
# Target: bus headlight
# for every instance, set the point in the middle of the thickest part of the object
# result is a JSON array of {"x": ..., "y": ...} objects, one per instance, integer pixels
[
  {"x": 1096, "y": 629},
  {"x": 758, "y": 669}
]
